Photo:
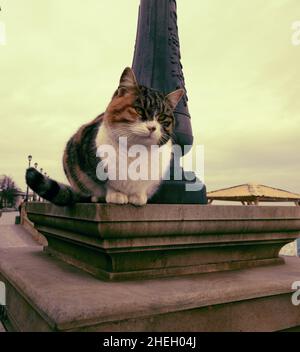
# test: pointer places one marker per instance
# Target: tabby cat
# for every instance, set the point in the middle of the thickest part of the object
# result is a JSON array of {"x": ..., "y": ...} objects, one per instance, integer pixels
[{"x": 145, "y": 117}]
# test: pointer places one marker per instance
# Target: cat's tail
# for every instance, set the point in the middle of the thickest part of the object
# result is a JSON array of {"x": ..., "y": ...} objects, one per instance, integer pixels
[{"x": 54, "y": 192}]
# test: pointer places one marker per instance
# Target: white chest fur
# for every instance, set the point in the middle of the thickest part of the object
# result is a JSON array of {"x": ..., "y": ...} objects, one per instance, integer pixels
[{"x": 134, "y": 172}]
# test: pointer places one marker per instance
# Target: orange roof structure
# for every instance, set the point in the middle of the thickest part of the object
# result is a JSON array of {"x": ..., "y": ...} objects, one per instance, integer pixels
[{"x": 252, "y": 193}]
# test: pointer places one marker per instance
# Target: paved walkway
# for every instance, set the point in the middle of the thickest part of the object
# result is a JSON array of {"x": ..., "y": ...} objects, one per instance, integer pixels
[
  {"x": 13, "y": 235},
  {"x": 8, "y": 218}
]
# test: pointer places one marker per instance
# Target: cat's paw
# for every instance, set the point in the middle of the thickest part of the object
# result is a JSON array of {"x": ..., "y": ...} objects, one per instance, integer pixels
[
  {"x": 116, "y": 198},
  {"x": 138, "y": 199}
]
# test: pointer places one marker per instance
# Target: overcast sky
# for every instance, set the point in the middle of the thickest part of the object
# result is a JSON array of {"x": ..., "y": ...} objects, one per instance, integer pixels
[{"x": 63, "y": 59}]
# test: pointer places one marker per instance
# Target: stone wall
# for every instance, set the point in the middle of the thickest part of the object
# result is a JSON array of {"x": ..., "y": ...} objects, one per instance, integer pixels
[{"x": 29, "y": 226}]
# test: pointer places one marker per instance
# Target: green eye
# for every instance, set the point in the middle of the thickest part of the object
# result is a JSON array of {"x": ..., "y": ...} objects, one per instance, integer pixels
[{"x": 164, "y": 120}]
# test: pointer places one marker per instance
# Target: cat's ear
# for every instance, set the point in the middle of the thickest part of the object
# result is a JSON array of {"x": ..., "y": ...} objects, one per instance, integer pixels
[
  {"x": 128, "y": 82},
  {"x": 174, "y": 98}
]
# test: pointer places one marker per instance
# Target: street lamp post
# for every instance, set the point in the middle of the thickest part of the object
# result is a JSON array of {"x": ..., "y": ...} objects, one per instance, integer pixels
[{"x": 29, "y": 164}]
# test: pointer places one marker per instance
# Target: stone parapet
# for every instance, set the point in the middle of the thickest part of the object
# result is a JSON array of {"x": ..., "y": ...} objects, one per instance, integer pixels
[
  {"x": 124, "y": 242},
  {"x": 46, "y": 294}
]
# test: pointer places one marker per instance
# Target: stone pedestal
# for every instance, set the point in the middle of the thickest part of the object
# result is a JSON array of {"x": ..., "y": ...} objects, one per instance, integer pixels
[
  {"x": 126, "y": 242},
  {"x": 122, "y": 242},
  {"x": 46, "y": 294}
]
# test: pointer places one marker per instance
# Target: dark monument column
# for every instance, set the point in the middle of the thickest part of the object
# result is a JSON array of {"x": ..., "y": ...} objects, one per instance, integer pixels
[
  {"x": 157, "y": 65},
  {"x": 156, "y": 60}
]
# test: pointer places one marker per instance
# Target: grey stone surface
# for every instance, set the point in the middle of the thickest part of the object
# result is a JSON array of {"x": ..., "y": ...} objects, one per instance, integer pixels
[
  {"x": 45, "y": 294},
  {"x": 13, "y": 235},
  {"x": 167, "y": 212},
  {"x": 1, "y": 327},
  {"x": 125, "y": 242},
  {"x": 8, "y": 218}
]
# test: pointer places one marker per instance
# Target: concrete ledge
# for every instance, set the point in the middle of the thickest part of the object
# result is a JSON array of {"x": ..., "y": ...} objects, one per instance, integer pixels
[
  {"x": 29, "y": 227},
  {"x": 125, "y": 242},
  {"x": 45, "y": 294}
]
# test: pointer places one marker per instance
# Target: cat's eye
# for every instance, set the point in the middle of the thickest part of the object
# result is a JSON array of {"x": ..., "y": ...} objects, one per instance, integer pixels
[
  {"x": 166, "y": 123},
  {"x": 161, "y": 118}
]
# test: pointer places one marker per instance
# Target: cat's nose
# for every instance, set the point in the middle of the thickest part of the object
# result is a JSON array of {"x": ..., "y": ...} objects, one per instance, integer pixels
[{"x": 151, "y": 128}]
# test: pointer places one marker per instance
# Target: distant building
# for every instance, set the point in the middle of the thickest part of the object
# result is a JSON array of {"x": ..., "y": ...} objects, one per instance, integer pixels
[{"x": 253, "y": 194}]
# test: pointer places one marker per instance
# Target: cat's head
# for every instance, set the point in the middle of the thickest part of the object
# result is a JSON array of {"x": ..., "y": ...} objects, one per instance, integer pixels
[{"x": 143, "y": 115}]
